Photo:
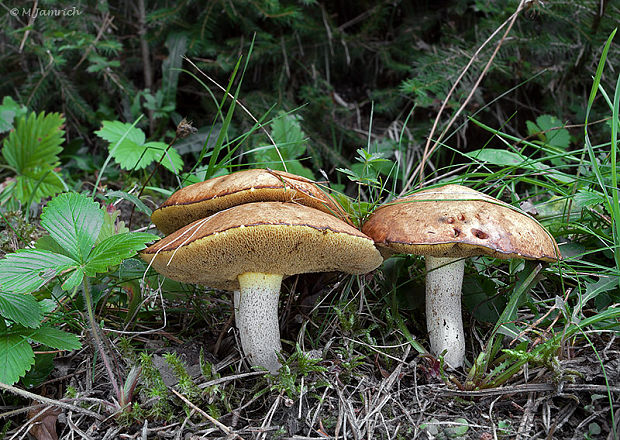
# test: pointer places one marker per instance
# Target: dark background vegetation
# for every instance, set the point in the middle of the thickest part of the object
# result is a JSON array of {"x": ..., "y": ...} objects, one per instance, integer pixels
[
  {"x": 355, "y": 74},
  {"x": 335, "y": 62}
]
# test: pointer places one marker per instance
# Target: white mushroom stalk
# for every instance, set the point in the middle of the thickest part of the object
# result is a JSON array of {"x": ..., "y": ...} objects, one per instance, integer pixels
[
  {"x": 257, "y": 318},
  {"x": 444, "y": 279},
  {"x": 249, "y": 248},
  {"x": 455, "y": 222}
]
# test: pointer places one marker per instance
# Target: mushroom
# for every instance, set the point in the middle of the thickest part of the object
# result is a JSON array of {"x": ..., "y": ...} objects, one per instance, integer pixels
[
  {"x": 202, "y": 199},
  {"x": 251, "y": 248},
  {"x": 447, "y": 225}
]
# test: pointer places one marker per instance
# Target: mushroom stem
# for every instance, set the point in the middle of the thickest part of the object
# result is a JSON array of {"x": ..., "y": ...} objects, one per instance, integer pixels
[
  {"x": 444, "y": 279},
  {"x": 258, "y": 318}
]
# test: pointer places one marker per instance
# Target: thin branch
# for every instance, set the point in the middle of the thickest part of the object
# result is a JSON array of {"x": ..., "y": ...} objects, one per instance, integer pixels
[{"x": 428, "y": 150}]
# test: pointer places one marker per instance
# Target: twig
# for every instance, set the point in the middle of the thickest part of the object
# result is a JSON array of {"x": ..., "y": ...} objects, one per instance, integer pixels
[
  {"x": 33, "y": 16},
  {"x": 428, "y": 150},
  {"x": 107, "y": 21},
  {"x": 48, "y": 401},
  {"x": 229, "y": 378},
  {"x": 225, "y": 429},
  {"x": 529, "y": 388}
]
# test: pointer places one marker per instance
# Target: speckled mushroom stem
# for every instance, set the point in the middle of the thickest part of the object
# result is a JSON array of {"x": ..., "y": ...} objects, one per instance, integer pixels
[
  {"x": 444, "y": 279},
  {"x": 258, "y": 319}
]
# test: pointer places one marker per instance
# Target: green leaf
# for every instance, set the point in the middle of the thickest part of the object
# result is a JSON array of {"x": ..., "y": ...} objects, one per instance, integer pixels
[
  {"x": 76, "y": 278},
  {"x": 170, "y": 67},
  {"x": 20, "y": 308},
  {"x": 140, "y": 206},
  {"x": 43, "y": 367},
  {"x": 113, "y": 250},
  {"x": 593, "y": 289},
  {"x": 32, "y": 150},
  {"x": 548, "y": 131},
  {"x": 499, "y": 157},
  {"x": 47, "y": 243},
  {"x": 132, "y": 152},
  {"x": 73, "y": 221},
  {"x": 113, "y": 131},
  {"x": 36, "y": 184},
  {"x": 16, "y": 357},
  {"x": 9, "y": 110},
  {"x": 110, "y": 226},
  {"x": 287, "y": 133},
  {"x": 55, "y": 338},
  {"x": 511, "y": 159},
  {"x": 155, "y": 150},
  {"x": 291, "y": 141},
  {"x": 27, "y": 270}
]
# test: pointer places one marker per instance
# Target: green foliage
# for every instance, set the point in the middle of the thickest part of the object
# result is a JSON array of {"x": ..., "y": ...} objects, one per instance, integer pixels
[
  {"x": 9, "y": 111},
  {"x": 547, "y": 129},
  {"x": 290, "y": 146},
  {"x": 128, "y": 146},
  {"x": 16, "y": 354},
  {"x": 155, "y": 389},
  {"x": 21, "y": 309},
  {"x": 74, "y": 222},
  {"x": 186, "y": 383},
  {"x": 299, "y": 365},
  {"x": 32, "y": 149}
]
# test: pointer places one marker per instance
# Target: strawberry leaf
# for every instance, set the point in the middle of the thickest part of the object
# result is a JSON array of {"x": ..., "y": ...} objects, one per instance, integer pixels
[{"x": 73, "y": 221}]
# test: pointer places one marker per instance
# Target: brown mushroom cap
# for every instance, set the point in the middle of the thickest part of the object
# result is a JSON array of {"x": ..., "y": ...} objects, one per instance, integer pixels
[
  {"x": 268, "y": 237},
  {"x": 202, "y": 199},
  {"x": 456, "y": 221}
]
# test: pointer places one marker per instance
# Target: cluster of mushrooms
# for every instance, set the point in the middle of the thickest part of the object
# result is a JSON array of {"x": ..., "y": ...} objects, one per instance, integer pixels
[{"x": 248, "y": 230}]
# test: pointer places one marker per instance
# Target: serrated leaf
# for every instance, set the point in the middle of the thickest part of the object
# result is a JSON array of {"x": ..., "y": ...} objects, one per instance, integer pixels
[
  {"x": 32, "y": 149},
  {"x": 27, "y": 270},
  {"x": 551, "y": 133},
  {"x": 113, "y": 250},
  {"x": 16, "y": 357},
  {"x": 20, "y": 308},
  {"x": 113, "y": 131},
  {"x": 172, "y": 160},
  {"x": 593, "y": 289},
  {"x": 47, "y": 305},
  {"x": 55, "y": 338},
  {"x": 291, "y": 141},
  {"x": 47, "y": 243},
  {"x": 132, "y": 152},
  {"x": 73, "y": 221},
  {"x": 584, "y": 199},
  {"x": 35, "y": 142}
]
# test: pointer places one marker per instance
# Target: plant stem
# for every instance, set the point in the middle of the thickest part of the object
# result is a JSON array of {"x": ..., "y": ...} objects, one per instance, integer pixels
[{"x": 98, "y": 343}]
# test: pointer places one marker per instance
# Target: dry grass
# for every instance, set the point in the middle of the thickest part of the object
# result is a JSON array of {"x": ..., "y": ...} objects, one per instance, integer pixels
[{"x": 367, "y": 385}]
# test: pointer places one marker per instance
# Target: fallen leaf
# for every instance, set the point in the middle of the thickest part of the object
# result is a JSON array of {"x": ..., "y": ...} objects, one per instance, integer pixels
[{"x": 44, "y": 425}]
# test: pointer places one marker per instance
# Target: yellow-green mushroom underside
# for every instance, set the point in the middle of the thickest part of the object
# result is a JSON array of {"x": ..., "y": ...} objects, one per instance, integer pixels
[{"x": 251, "y": 248}]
